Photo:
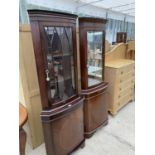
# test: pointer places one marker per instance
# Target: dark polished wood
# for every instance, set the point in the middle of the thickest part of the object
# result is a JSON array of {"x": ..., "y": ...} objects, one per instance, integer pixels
[
  {"x": 39, "y": 19},
  {"x": 22, "y": 134},
  {"x": 63, "y": 128},
  {"x": 121, "y": 37},
  {"x": 95, "y": 106},
  {"x": 22, "y": 141},
  {"x": 54, "y": 40}
]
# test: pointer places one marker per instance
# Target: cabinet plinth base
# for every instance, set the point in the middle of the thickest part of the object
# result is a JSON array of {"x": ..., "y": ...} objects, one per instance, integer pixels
[{"x": 89, "y": 134}]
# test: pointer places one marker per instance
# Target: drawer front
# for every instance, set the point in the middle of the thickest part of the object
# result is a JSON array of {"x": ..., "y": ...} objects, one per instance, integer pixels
[
  {"x": 123, "y": 87},
  {"x": 126, "y": 76},
  {"x": 126, "y": 69},
  {"x": 124, "y": 100},
  {"x": 125, "y": 91}
]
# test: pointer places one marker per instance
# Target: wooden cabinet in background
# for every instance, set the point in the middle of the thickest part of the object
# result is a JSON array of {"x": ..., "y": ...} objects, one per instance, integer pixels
[
  {"x": 92, "y": 51},
  {"x": 121, "y": 37},
  {"x": 54, "y": 40},
  {"x": 121, "y": 77}
]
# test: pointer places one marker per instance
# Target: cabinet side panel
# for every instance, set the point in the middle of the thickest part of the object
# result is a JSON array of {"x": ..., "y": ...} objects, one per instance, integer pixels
[
  {"x": 78, "y": 60},
  {"x": 110, "y": 75},
  {"x": 118, "y": 52},
  {"x": 30, "y": 86},
  {"x": 83, "y": 59}
]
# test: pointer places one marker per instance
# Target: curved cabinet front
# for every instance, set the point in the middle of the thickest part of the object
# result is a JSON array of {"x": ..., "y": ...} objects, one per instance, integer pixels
[
  {"x": 95, "y": 108},
  {"x": 63, "y": 127}
]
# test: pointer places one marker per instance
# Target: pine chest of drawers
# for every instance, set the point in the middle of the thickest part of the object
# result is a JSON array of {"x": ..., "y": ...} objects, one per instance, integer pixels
[{"x": 121, "y": 77}]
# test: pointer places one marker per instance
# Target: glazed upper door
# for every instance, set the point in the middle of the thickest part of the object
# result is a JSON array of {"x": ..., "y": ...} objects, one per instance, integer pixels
[
  {"x": 58, "y": 53},
  {"x": 95, "y": 57}
]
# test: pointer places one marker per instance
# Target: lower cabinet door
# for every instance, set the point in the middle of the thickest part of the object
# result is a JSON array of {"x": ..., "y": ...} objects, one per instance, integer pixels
[
  {"x": 64, "y": 134},
  {"x": 95, "y": 113}
]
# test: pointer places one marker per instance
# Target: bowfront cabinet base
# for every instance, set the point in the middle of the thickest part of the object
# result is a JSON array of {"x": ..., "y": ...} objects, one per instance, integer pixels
[
  {"x": 95, "y": 108},
  {"x": 63, "y": 128}
]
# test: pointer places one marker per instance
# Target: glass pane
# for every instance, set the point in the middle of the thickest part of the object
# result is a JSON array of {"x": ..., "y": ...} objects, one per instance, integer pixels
[
  {"x": 94, "y": 62},
  {"x": 60, "y": 64}
]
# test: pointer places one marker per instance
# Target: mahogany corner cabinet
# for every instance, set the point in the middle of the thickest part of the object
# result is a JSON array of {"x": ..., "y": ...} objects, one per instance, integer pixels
[
  {"x": 94, "y": 89},
  {"x": 54, "y": 41}
]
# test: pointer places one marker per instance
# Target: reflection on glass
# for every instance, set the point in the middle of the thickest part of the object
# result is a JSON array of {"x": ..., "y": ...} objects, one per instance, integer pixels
[
  {"x": 94, "y": 63},
  {"x": 60, "y": 63}
]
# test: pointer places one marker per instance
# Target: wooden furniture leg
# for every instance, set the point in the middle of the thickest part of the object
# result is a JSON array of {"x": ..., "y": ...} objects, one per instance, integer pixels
[{"x": 22, "y": 141}]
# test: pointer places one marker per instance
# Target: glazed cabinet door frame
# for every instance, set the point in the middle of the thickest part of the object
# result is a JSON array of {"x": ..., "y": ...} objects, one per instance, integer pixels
[
  {"x": 37, "y": 21},
  {"x": 91, "y": 25},
  {"x": 103, "y": 54}
]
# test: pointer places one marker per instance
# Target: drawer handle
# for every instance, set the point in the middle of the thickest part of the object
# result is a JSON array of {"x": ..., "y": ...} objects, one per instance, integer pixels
[
  {"x": 121, "y": 81},
  {"x": 121, "y": 72},
  {"x": 120, "y": 88}
]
